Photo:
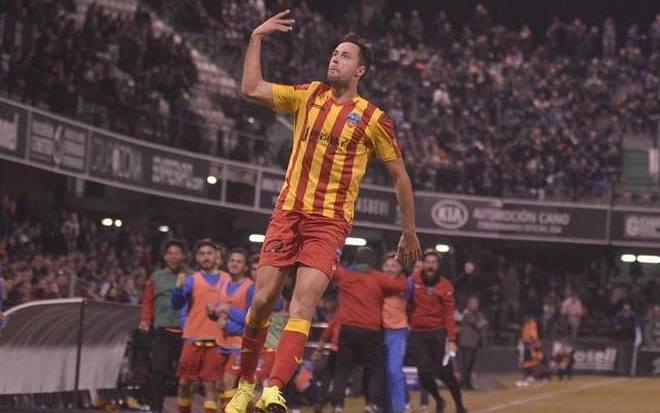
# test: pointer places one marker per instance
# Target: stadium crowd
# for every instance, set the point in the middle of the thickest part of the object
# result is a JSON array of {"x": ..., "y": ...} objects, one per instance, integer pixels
[
  {"x": 112, "y": 70},
  {"x": 480, "y": 109}
]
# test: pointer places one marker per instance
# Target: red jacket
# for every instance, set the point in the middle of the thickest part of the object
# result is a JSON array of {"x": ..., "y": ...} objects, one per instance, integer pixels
[
  {"x": 361, "y": 296},
  {"x": 432, "y": 307}
]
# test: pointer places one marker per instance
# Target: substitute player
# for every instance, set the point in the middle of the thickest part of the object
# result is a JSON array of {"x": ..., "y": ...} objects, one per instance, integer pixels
[
  {"x": 199, "y": 359},
  {"x": 335, "y": 133},
  {"x": 235, "y": 298}
]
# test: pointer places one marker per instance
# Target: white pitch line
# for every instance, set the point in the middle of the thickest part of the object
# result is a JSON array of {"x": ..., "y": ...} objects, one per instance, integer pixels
[{"x": 549, "y": 395}]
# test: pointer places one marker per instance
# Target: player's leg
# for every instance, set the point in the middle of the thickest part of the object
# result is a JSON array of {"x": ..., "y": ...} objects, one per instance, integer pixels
[
  {"x": 267, "y": 288},
  {"x": 211, "y": 374},
  {"x": 310, "y": 286},
  {"x": 187, "y": 373},
  {"x": 210, "y": 397},
  {"x": 276, "y": 261},
  {"x": 230, "y": 373},
  {"x": 184, "y": 396}
]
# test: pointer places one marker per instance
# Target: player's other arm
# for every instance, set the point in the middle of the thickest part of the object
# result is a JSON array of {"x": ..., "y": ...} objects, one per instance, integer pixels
[
  {"x": 253, "y": 85},
  {"x": 408, "y": 249},
  {"x": 387, "y": 150}
]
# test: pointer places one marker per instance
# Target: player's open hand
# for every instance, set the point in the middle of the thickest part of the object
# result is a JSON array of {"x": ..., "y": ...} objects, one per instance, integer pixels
[
  {"x": 278, "y": 23},
  {"x": 409, "y": 250}
]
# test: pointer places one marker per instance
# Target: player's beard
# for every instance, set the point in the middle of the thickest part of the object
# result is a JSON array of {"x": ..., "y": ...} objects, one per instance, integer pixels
[{"x": 335, "y": 81}]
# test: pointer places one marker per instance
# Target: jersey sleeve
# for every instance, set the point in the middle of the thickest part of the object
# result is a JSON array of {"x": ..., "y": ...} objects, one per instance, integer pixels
[
  {"x": 383, "y": 138},
  {"x": 446, "y": 293},
  {"x": 288, "y": 98}
]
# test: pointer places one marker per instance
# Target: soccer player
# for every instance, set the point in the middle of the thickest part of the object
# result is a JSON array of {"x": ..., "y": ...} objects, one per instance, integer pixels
[
  {"x": 199, "y": 359},
  {"x": 157, "y": 312},
  {"x": 235, "y": 299},
  {"x": 433, "y": 329},
  {"x": 335, "y": 133}
]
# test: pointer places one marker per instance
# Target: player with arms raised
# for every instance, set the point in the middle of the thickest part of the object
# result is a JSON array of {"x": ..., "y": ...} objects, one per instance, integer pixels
[{"x": 335, "y": 133}]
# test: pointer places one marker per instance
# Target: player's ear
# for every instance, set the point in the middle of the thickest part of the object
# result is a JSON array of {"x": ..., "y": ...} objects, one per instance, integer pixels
[{"x": 361, "y": 71}]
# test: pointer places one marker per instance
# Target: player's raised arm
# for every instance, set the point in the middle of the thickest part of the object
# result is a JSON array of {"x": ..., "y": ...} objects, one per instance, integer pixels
[
  {"x": 253, "y": 85},
  {"x": 408, "y": 249}
]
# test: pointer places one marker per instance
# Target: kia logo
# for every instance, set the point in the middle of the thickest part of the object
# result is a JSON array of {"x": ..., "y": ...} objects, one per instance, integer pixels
[{"x": 449, "y": 214}]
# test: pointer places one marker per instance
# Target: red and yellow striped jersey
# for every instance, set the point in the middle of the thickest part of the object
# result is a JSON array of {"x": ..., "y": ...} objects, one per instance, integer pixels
[{"x": 332, "y": 144}]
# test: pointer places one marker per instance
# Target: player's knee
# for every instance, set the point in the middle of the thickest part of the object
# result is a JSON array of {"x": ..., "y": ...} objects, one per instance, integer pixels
[
  {"x": 263, "y": 302},
  {"x": 302, "y": 308}
]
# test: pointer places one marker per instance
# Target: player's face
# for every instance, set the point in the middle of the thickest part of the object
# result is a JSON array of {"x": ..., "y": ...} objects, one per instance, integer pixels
[
  {"x": 391, "y": 267},
  {"x": 344, "y": 65},
  {"x": 236, "y": 265},
  {"x": 173, "y": 257},
  {"x": 206, "y": 258}
]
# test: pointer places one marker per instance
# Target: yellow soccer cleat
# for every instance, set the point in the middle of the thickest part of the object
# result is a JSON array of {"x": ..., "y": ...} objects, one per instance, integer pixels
[
  {"x": 241, "y": 399},
  {"x": 271, "y": 401}
]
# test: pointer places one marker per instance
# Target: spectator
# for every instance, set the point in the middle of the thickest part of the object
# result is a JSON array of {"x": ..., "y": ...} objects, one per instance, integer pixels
[
  {"x": 572, "y": 312},
  {"x": 627, "y": 334},
  {"x": 652, "y": 328},
  {"x": 563, "y": 361},
  {"x": 473, "y": 325},
  {"x": 654, "y": 34},
  {"x": 510, "y": 290}
]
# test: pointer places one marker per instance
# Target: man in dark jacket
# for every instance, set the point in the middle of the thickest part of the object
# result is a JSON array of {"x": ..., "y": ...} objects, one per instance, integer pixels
[{"x": 473, "y": 325}]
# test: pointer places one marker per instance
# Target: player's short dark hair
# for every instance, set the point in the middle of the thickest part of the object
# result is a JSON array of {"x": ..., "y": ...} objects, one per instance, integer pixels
[
  {"x": 366, "y": 55},
  {"x": 241, "y": 251},
  {"x": 174, "y": 243},
  {"x": 205, "y": 242}
]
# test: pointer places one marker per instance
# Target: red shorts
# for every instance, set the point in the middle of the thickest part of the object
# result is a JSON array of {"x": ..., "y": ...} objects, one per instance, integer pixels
[
  {"x": 200, "y": 363},
  {"x": 231, "y": 364},
  {"x": 266, "y": 363},
  {"x": 295, "y": 238}
]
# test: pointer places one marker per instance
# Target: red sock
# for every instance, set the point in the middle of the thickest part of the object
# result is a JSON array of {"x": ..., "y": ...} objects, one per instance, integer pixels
[
  {"x": 289, "y": 352},
  {"x": 254, "y": 338}
]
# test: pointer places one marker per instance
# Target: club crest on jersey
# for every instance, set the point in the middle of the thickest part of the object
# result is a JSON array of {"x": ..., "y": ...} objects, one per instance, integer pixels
[{"x": 353, "y": 119}]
